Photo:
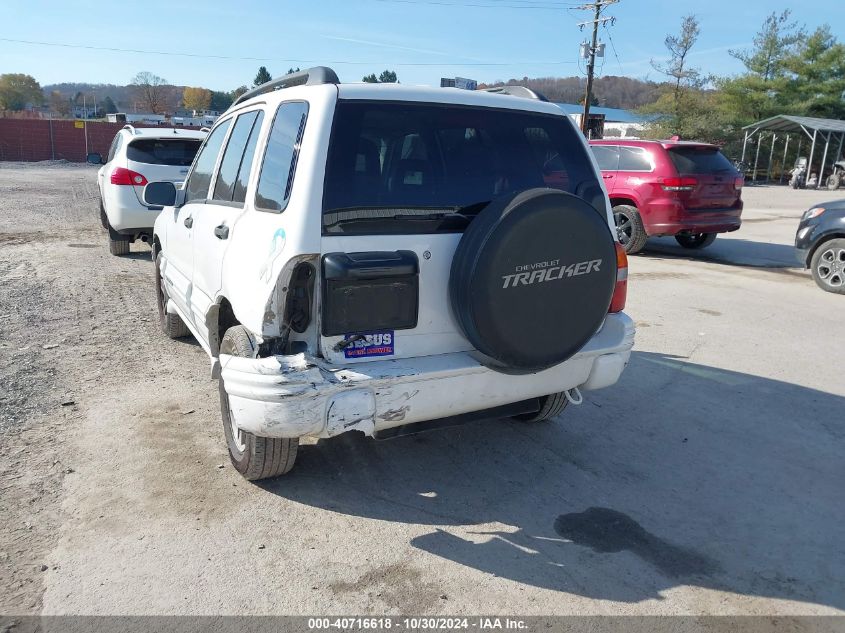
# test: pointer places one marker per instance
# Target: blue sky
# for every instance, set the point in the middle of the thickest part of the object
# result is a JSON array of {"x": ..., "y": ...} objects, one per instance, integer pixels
[{"x": 421, "y": 40}]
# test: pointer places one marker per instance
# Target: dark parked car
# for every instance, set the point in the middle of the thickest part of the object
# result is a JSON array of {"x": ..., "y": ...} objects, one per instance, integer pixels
[
  {"x": 820, "y": 241},
  {"x": 688, "y": 190}
]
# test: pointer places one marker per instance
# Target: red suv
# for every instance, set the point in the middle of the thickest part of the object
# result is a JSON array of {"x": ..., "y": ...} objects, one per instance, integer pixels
[{"x": 689, "y": 190}]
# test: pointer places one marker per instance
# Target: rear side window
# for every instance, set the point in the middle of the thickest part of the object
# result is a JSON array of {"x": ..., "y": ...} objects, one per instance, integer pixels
[
  {"x": 176, "y": 152},
  {"x": 388, "y": 162},
  {"x": 634, "y": 159},
  {"x": 115, "y": 146},
  {"x": 200, "y": 178},
  {"x": 237, "y": 159},
  {"x": 607, "y": 156},
  {"x": 277, "y": 171},
  {"x": 699, "y": 160}
]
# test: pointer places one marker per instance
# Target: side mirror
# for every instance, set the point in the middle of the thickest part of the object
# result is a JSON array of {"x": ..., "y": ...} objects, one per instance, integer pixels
[
  {"x": 160, "y": 194},
  {"x": 94, "y": 158}
]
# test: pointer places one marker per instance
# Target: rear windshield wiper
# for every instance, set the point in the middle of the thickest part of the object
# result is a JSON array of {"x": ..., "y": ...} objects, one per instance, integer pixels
[{"x": 447, "y": 215}]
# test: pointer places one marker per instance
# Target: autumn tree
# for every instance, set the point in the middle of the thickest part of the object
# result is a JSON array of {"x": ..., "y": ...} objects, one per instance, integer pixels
[
  {"x": 18, "y": 90},
  {"x": 262, "y": 77},
  {"x": 150, "y": 91},
  {"x": 196, "y": 99},
  {"x": 237, "y": 92},
  {"x": 59, "y": 103}
]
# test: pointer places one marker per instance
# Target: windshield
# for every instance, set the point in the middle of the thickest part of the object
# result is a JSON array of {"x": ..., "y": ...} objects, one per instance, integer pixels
[
  {"x": 403, "y": 162},
  {"x": 176, "y": 152},
  {"x": 699, "y": 160}
]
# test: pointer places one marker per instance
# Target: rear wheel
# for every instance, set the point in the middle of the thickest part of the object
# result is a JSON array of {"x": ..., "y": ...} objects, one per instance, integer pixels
[
  {"x": 828, "y": 266},
  {"x": 834, "y": 180},
  {"x": 118, "y": 246},
  {"x": 252, "y": 456},
  {"x": 550, "y": 407},
  {"x": 696, "y": 240},
  {"x": 171, "y": 324},
  {"x": 629, "y": 228}
]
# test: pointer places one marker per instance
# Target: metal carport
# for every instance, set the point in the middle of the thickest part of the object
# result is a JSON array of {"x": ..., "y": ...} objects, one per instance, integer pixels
[{"x": 831, "y": 131}]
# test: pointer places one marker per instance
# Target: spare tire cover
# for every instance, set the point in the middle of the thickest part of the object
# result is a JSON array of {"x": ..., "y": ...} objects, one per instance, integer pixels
[{"x": 532, "y": 279}]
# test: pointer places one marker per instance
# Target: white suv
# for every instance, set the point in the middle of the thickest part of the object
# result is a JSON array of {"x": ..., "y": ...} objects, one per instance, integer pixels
[
  {"x": 138, "y": 156},
  {"x": 388, "y": 259}
]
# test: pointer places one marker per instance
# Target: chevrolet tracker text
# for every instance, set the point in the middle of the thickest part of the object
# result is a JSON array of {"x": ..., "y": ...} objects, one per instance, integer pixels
[{"x": 548, "y": 271}]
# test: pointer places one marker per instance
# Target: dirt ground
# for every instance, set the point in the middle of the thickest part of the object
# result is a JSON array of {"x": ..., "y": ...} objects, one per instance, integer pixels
[{"x": 708, "y": 481}]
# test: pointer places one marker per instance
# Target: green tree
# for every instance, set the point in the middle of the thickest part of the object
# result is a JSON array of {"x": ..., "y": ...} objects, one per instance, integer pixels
[
  {"x": 386, "y": 77},
  {"x": 109, "y": 106},
  {"x": 262, "y": 77},
  {"x": 682, "y": 76},
  {"x": 776, "y": 41},
  {"x": 237, "y": 92},
  {"x": 220, "y": 100},
  {"x": 293, "y": 70},
  {"x": 18, "y": 90},
  {"x": 817, "y": 76}
]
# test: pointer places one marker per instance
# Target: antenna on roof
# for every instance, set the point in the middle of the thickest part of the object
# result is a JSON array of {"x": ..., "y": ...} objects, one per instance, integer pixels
[{"x": 309, "y": 77}]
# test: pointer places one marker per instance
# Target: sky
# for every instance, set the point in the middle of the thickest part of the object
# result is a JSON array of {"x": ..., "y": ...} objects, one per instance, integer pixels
[{"x": 220, "y": 45}]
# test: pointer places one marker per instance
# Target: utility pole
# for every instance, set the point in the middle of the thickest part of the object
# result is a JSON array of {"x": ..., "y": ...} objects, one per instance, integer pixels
[{"x": 597, "y": 7}]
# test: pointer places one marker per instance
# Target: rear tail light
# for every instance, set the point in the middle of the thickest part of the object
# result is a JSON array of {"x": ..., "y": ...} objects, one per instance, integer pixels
[
  {"x": 738, "y": 182},
  {"x": 620, "y": 291},
  {"x": 123, "y": 176},
  {"x": 679, "y": 184}
]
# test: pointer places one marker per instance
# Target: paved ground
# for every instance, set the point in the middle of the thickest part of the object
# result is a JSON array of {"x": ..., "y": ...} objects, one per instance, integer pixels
[{"x": 708, "y": 481}]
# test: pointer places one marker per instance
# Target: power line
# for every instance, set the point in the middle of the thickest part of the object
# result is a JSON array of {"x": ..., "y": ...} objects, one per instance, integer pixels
[
  {"x": 276, "y": 59},
  {"x": 543, "y": 5}
]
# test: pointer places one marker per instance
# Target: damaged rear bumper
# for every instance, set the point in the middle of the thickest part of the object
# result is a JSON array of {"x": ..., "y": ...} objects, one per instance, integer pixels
[{"x": 296, "y": 396}]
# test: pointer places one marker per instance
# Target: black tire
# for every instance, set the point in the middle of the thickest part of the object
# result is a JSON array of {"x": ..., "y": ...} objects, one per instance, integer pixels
[
  {"x": 118, "y": 246},
  {"x": 550, "y": 407},
  {"x": 171, "y": 324},
  {"x": 833, "y": 181},
  {"x": 252, "y": 456},
  {"x": 828, "y": 266},
  {"x": 629, "y": 228},
  {"x": 696, "y": 240}
]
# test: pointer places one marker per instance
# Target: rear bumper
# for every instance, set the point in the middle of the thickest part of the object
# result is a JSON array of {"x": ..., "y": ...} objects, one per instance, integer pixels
[
  {"x": 296, "y": 396},
  {"x": 126, "y": 214},
  {"x": 671, "y": 219}
]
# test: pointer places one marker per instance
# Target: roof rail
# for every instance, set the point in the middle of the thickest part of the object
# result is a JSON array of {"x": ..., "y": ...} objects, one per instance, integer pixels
[
  {"x": 130, "y": 128},
  {"x": 517, "y": 91},
  {"x": 308, "y": 77}
]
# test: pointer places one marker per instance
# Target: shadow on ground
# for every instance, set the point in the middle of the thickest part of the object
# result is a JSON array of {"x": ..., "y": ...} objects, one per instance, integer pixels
[
  {"x": 682, "y": 474},
  {"x": 728, "y": 251}
]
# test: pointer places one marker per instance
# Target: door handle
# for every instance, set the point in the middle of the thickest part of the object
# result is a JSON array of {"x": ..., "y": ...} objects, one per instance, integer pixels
[
  {"x": 189, "y": 221},
  {"x": 606, "y": 176},
  {"x": 222, "y": 232}
]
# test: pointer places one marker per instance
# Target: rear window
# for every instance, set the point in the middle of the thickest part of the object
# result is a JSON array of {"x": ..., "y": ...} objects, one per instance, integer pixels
[
  {"x": 389, "y": 162},
  {"x": 176, "y": 152},
  {"x": 699, "y": 160}
]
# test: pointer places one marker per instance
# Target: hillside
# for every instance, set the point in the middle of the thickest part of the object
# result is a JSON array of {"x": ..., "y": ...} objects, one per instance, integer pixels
[{"x": 610, "y": 91}]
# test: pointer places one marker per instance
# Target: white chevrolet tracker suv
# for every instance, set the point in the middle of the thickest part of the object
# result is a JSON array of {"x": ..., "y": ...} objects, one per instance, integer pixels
[
  {"x": 138, "y": 156},
  {"x": 388, "y": 259}
]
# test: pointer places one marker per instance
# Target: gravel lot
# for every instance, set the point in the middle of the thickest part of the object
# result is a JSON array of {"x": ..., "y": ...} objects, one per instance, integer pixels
[{"x": 709, "y": 481}]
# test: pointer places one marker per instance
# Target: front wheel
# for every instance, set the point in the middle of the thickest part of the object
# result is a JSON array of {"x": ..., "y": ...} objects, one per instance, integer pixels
[
  {"x": 833, "y": 181},
  {"x": 828, "y": 266},
  {"x": 629, "y": 228},
  {"x": 696, "y": 240},
  {"x": 252, "y": 456}
]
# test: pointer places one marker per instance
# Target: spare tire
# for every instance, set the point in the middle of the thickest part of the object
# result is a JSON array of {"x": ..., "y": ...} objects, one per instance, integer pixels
[{"x": 532, "y": 279}]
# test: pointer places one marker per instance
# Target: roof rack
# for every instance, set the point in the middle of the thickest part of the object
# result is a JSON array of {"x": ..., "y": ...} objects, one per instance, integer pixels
[
  {"x": 131, "y": 129},
  {"x": 517, "y": 91},
  {"x": 309, "y": 77}
]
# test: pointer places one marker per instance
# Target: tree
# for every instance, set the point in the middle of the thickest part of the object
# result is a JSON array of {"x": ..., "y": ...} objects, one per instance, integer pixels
[
  {"x": 59, "y": 104},
  {"x": 109, "y": 106},
  {"x": 817, "y": 76},
  {"x": 196, "y": 98},
  {"x": 237, "y": 92},
  {"x": 776, "y": 40},
  {"x": 149, "y": 90},
  {"x": 293, "y": 70},
  {"x": 18, "y": 90},
  {"x": 386, "y": 77},
  {"x": 682, "y": 76},
  {"x": 220, "y": 100},
  {"x": 262, "y": 77}
]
